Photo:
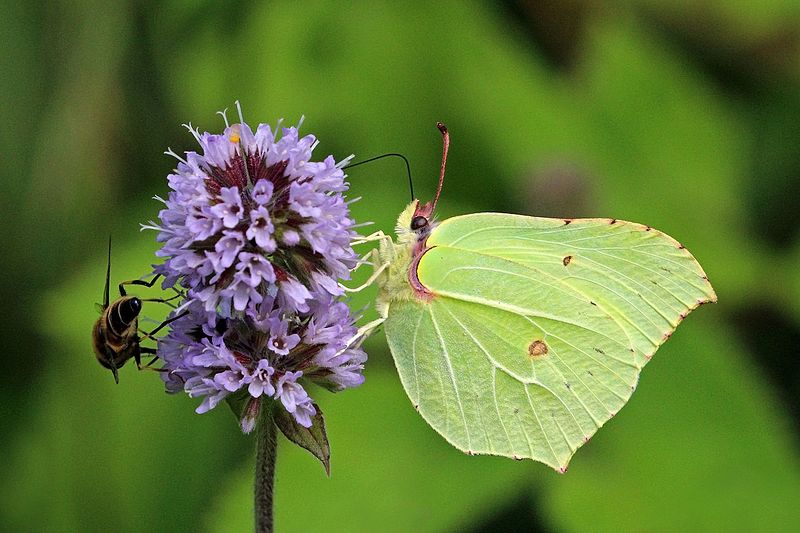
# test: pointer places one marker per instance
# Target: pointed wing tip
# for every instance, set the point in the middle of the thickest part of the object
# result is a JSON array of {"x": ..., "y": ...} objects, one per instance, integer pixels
[
  {"x": 711, "y": 294},
  {"x": 710, "y": 297}
]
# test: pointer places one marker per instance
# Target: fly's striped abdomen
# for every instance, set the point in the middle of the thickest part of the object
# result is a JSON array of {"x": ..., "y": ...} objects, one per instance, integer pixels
[
  {"x": 121, "y": 316},
  {"x": 115, "y": 334}
]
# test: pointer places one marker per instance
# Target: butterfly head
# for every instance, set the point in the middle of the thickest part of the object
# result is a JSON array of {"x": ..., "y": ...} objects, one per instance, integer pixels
[
  {"x": 411, "y": 225},
  {"x": 416, "y": 221}
]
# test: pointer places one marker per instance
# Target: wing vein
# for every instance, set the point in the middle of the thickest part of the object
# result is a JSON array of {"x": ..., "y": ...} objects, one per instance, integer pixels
[
  {"x": 452, "y": 376},
  {"x": 541, "y": 426},
  {"x": 471, "y": 374},
  {"x": 604, "y": 270},
  {"x": 520, "y": 311},
  {"x": 497, "y": 408},
  {"x": 564, "y": 378},
  {"x": 418, "y": 400}
]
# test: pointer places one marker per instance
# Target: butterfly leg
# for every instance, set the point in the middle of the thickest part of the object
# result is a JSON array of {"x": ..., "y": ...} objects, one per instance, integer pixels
[
  {"x": 367, "y": 329},
  {"x": 372, "y": 278},
  {"x": 363, "y": 332},
  {"x": 377, "y": 236},
  {"x": 369, "y": 281},
  {"x": 372, "y": 237},
  {"x": 366, "y": 260}
]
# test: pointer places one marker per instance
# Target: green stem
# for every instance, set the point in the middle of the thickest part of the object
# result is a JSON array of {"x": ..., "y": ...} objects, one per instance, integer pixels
[{"x": 266, "y": 453}]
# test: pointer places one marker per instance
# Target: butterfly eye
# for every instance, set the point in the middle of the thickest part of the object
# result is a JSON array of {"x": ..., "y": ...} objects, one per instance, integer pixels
[{"x": 418, "y": 222}]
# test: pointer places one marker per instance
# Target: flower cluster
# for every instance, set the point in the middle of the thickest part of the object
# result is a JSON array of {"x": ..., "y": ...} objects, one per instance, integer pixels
[{"x": 258, "y": 236}]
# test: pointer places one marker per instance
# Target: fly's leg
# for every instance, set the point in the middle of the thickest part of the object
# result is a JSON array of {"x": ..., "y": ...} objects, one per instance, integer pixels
[
  {"x": 148, "y": 366},
  {"x": 149, "y": 284},
  {"x": 141, "y": 282},
  {"x": 149, "y": 335},
  {"x": 166, "y": 301}
]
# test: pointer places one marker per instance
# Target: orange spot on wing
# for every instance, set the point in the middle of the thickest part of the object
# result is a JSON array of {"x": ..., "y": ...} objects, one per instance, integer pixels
[{"x": 537, "y": 349}]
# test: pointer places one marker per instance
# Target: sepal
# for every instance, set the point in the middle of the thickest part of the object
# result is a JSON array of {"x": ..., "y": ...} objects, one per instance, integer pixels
[
  {"x": 313, "y": 439},
  {"x": 245, "y": 408}
]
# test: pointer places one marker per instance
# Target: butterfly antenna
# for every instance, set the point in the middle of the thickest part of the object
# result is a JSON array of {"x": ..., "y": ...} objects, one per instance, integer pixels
[
  {"x": 401, "y": 156},
  {"x": 445, "y": 148},
  {"x": 108, "y": 275}
]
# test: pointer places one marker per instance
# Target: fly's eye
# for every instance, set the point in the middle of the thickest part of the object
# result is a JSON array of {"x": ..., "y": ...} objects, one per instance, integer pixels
[
  {"x": 130, "y": 309},
  {"x": 418, "y": 222}
]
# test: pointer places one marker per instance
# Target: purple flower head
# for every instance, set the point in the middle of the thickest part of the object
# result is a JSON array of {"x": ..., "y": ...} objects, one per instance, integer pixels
[
  {"x": 203, "y": 223},
  {"x": 255, "y": 193},
  {"x": 229, "y": 380},
  {"x": 241, "y": 293},
  {"x": 258, "y": 236},
  {"x": 291, "y": 237}
]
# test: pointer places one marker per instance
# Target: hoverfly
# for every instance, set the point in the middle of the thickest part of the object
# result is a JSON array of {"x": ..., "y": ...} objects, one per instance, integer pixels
[{"x": 115, "y": 335}]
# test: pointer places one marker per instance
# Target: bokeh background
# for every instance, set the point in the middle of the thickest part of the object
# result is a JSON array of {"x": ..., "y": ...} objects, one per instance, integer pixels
[{"x": 684, "y": 115}]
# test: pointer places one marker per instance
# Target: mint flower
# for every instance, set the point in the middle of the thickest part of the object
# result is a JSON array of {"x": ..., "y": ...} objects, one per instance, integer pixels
[{"x": 259, "y": 236}]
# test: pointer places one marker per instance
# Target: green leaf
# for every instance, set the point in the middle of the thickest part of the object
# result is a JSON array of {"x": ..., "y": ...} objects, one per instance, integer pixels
[
  {"x": 313, "y": 439},
  {"x": 538, "y": 328}
]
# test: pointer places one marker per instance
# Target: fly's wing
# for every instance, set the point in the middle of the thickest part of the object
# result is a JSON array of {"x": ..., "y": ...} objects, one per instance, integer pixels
[
  {"x": 108, "y": 275},
  {"x": 538, "y": 329}
]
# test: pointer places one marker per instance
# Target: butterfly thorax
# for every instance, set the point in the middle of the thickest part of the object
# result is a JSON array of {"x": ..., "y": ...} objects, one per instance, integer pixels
[{"x": 398, "y": 282}]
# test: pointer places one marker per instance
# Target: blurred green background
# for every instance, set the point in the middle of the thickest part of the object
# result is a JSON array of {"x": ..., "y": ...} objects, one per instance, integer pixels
[{"x": 684, "y": 115}]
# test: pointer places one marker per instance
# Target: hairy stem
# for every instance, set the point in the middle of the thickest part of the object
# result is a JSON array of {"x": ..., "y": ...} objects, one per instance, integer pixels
[{"x": 266, "y": 452}]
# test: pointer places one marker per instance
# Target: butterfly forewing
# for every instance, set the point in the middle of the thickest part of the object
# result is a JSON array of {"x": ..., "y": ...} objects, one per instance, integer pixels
[{"x": 641, "y": 278}]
